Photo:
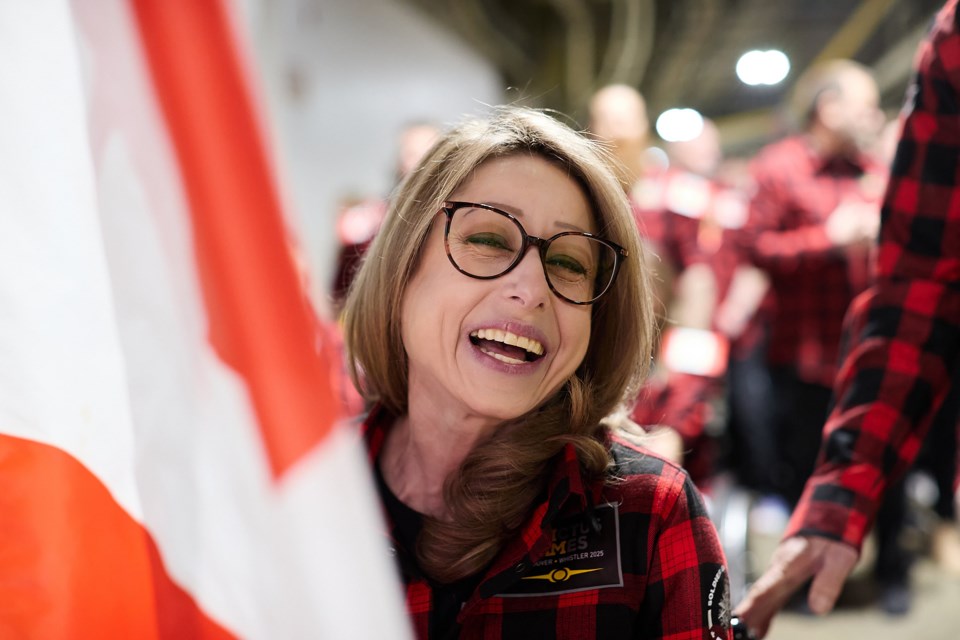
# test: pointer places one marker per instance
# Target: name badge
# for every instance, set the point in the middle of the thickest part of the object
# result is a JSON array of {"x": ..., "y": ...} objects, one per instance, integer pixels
[{"x": 578, "y": 559}]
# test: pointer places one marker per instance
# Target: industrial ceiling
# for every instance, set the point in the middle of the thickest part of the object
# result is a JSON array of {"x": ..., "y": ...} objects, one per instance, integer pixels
[{"x": 682, "y": 53}]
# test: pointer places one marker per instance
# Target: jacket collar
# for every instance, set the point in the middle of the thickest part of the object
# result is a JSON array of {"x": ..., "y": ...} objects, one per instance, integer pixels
[{"x": 566, "y": 493}]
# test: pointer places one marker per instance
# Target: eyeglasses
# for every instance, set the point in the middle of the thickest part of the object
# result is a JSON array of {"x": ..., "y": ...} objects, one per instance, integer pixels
[{"x": 484, "y": 242}]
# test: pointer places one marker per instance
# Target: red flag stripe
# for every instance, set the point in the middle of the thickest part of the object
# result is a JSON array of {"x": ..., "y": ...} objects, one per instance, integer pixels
[
  {"x": 259, "y": 318},
  {"x": 74, "y": 564}
]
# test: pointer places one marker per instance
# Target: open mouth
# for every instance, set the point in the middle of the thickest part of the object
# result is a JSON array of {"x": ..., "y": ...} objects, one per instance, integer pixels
[{"x": 507, "y": 347}]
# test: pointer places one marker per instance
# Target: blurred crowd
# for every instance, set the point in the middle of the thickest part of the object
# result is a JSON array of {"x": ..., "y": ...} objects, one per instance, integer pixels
[{"x": 756, "y": 261}]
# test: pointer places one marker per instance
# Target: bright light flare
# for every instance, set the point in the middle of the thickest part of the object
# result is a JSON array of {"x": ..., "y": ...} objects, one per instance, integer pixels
[
  {"x": 763, "y": 67},
  {"x": 679, "y": 125}
]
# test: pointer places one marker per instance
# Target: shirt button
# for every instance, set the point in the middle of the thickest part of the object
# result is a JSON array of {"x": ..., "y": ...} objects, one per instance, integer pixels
[{"x": 521, "y": 567}]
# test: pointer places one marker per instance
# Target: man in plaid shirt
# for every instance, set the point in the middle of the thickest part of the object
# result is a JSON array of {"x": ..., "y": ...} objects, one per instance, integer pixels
[
  {"x": 812, "y": 220},
  {"x": 903, "y": 339}
]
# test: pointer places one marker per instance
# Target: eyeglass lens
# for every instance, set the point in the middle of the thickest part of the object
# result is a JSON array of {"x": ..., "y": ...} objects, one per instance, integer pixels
[{"x": 485, "y": 244}]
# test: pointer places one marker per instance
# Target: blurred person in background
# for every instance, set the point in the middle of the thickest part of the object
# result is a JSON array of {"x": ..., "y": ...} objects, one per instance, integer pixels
[
  {"x": 743, "y": 316},
  {"x": 695, "y": 213},
  {"x": 812, "y": 221},
  {"x": 618, "y": 115},
  {"x": 516, "y": 509},
  {"x": 618, "y": 119},
  {"x": 357, "y": 225},
  {"x": 359, "y": 221},
  {"x": 902, "y": 345}
]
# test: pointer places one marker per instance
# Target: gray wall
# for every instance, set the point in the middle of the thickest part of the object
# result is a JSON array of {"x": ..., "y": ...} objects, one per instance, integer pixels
[{"x": 341, "y": 78}]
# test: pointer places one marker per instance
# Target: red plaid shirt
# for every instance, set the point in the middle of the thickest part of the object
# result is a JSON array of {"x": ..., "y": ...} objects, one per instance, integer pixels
[
  {"x": 904, "y": 335},
  {"x": 813, "y": 281},
  {"x": 681, "y": 401},
  {"x": 688, "y": 219},
  {"x": 638, "y": 558}
]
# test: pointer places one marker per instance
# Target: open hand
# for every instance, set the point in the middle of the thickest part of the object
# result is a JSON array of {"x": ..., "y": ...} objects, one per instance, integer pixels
[
  {"x": 853, "y": 223},
  {"x": 795, "y": 561}
]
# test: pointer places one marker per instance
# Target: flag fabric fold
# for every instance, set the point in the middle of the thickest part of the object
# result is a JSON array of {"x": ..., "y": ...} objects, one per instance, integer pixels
[{"x": 174, "y": 460}]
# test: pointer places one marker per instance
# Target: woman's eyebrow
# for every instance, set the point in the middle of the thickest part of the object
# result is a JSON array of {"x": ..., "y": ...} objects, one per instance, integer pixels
[
  {"x": 512, "y": 210},
  {"x": 518, "y": 213},
  {"x": 571, "y": 227}
]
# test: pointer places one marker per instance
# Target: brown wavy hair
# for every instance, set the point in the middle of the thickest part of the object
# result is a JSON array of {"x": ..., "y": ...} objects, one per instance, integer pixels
[{"x": 493, "y": 491}]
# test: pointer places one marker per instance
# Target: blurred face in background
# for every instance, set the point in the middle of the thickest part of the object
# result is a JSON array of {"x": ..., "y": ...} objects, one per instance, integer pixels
[
  {"x": 618, "y": 115},
  {"x": 701, "y": 155},
  {"x": 852, "y": 113},
  {"x": 414, "y": 143}
]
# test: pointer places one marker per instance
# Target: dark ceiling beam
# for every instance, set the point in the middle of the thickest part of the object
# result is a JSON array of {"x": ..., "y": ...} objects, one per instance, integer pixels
[
  {"x": 690, "y": 38},
  {"x": 857, "y": 29},
  {"x": 579, "y": 50},
  {"x": 629, "y": 44}
]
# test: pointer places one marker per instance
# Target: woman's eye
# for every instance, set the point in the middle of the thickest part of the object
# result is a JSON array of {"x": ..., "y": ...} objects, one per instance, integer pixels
[
  {"x": 492, "y": 240},
  {"x": 568, "y": 264}
]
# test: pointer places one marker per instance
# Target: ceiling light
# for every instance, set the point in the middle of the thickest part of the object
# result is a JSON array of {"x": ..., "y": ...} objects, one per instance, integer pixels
[
  {"x": 678, "y": 125},
  {"x": 763, "y": 67}
]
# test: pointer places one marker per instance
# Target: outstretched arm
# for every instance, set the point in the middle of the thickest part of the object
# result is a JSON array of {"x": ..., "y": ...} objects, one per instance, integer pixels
[{"x": 904, "y": 339}]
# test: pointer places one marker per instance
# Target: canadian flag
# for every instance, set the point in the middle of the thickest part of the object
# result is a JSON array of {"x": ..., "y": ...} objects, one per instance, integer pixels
[{"x": 174, "y": 456}]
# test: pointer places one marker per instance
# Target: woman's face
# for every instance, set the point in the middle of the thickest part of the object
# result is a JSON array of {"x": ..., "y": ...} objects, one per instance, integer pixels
[{"x": 456, "y": 329}]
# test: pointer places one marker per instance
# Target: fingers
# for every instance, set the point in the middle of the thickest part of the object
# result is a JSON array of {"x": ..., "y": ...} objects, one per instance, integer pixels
[
  {"x": 791, "y": 566},
  {"x": 794, "y": 562},
  {"x": 838, "y": 561}
]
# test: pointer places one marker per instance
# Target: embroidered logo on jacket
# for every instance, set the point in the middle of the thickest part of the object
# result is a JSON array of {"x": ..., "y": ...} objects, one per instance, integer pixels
[
  {"x": 578, "y": 559},
  {"x": 718, "y": 604}
]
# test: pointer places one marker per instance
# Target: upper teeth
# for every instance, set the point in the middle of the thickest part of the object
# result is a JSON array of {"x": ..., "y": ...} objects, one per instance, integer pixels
[{"x": 528, "y": 344}]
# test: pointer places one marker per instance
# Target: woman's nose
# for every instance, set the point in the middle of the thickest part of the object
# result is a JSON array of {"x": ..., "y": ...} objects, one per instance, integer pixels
[{"x": 527, "y": 282}]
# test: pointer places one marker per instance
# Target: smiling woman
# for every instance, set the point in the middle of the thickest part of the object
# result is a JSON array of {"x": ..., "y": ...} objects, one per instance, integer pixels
[{"x": 501, "y": 316}]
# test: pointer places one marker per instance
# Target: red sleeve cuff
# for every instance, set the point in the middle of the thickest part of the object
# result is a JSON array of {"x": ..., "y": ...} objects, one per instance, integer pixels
[{"x": 832, "y": 511}]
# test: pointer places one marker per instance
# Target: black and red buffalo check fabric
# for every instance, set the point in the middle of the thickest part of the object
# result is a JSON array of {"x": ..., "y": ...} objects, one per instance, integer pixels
[
  {"x": 637, "y": 557},
  {"x": 903, "y": 335},
  {"x": 812, "y": 281}
]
